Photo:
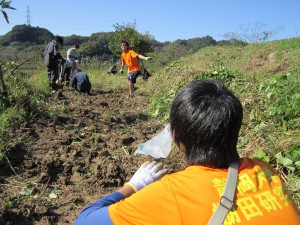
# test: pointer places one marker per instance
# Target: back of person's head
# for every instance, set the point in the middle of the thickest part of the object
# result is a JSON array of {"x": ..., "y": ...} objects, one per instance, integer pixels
[
  {"x": 206, "y": 118},
  {"x": 77, "y": 70},
  {"x": 76, "y": 46},
  {"x": 59, "y": 39}
]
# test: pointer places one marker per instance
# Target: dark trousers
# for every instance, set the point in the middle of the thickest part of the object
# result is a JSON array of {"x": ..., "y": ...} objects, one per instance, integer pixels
[{"x": 53, "y": 76}]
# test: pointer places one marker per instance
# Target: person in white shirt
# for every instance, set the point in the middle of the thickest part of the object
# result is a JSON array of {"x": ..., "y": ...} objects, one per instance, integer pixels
[{"x": 73, "y": 56}]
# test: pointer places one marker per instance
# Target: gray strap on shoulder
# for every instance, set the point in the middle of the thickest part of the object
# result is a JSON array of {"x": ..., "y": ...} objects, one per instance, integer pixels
[{"x": 226, "y": 200}]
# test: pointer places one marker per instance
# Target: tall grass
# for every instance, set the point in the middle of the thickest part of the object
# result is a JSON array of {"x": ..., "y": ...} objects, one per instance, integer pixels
[
  {"x": 23, "y": 99},
  {"x": 266, "y": 79}
]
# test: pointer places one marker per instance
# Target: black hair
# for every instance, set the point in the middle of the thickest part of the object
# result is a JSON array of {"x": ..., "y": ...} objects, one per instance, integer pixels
[
  {"x": 76, "y": 70},
  {"x": 59, "y": 39},
  {"x": 125, "y": 42},
  {"x": 206, "y": 118}
]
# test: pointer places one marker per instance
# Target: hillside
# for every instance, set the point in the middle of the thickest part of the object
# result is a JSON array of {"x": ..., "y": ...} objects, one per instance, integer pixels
[
  {"x": 24, "y": 38},
  {"x": 74, "y": 148},
  {"x": 24, "y": 34},
  {"x": 264, "y": 76}
]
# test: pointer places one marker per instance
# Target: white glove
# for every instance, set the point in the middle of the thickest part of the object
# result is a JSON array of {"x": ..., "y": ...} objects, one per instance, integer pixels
[{"x": 146, "y": 174}]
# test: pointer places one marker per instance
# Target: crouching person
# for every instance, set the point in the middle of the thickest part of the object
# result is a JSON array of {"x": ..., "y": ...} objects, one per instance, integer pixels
[
  {"x": 112, "y": 70},
  {"x": 80, "y": 81},
  {"x": 65, "y": 71}
]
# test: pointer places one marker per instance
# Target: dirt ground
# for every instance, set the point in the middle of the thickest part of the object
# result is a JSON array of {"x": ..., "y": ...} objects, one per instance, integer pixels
[{"x": 63, "y": 161}]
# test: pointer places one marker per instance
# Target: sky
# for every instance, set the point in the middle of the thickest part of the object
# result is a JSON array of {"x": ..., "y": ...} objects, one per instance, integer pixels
[{"x": 165, "y": 20}]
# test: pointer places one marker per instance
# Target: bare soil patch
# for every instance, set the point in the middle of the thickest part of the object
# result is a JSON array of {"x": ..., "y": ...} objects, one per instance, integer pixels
[{"x": 64, "y": 161}]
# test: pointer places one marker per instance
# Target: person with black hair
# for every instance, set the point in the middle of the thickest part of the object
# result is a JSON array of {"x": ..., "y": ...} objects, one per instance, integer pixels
[
  {"x": 52, "y": 59},
  {"x": 80, "y": 81},
  {"x": 130, "y": 58},
  {"x": 65, "y": 71},
  {"x": 205, "y": 120}
]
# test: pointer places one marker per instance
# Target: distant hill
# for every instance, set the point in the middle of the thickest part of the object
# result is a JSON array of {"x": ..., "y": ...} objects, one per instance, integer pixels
[
  {"x": 24, "y": 38},
  {"x": 26, "y": 34}
]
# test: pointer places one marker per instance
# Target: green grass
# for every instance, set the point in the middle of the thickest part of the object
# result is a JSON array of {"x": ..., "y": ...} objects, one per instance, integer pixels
[
  {"x": 266, "y": 79},
  {"x": 103, "y": 79},
  {"x": 264, "y": 76}
]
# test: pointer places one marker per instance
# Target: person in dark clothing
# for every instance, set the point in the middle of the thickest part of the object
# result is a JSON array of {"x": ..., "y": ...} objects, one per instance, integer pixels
[
  {"x": 52, "y": 57},
  {"x": 112, "y": 70},
  {"x": 65, "y": 71},
  {"x": 80, "y": 81}
]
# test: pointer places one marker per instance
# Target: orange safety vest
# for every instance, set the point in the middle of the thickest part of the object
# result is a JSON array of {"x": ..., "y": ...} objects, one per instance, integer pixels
[{"x": 190, "y": 197}]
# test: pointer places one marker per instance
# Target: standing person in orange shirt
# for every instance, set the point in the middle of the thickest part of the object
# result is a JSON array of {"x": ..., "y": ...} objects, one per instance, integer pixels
[
  {"x": 130, "y": 58},
  {"x": 205, "y": 121}
]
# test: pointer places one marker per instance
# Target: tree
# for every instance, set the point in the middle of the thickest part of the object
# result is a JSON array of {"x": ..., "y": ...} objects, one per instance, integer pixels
[
  {"x": 5, "y": 5},
  {"x": 75, "y": 39},
  {"x": 172, "y": 51},
  {"x": 233, "y": 42},
  {"x": 90, "y": 48},
  {"x": 141, "y": 43},
  {"x": 97, "y": 45},
  {"x": 256, "y": 33}
]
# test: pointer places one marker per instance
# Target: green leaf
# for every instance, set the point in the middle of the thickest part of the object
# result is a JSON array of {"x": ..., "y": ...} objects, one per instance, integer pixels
[
  {"x": 261, "y": 154},
  {"x": 5, "y": 16},
  {"x": 285, "y": 161},
  {"x": 9, "y": 203},
  {"x": 297, "y": 164},
  {"x": 291, "y": 168}
]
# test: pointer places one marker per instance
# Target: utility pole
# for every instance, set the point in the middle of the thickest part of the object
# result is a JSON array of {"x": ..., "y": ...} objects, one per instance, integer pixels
[{"x": 28, "y": 16}]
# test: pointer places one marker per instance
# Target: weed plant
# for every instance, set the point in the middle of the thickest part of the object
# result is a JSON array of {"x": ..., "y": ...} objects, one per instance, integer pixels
[
  {"x": 266, "y": 79},
  {"x": 22, "y": 101}
]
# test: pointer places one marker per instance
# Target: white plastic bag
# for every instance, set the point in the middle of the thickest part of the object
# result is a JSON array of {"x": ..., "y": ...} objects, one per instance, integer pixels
[{"x": 158, "y": 146}]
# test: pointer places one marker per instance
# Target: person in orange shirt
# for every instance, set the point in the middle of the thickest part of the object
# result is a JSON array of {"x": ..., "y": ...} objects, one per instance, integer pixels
[
  {"x": 205, "y": 120},
  {"x": 130, "y": 58}
]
